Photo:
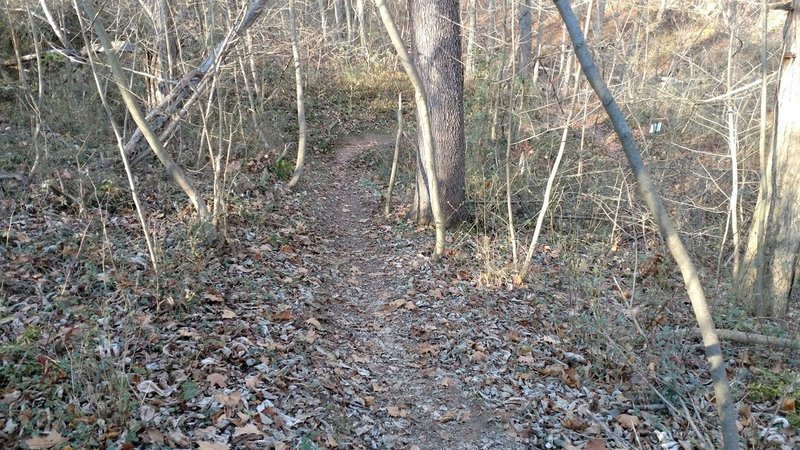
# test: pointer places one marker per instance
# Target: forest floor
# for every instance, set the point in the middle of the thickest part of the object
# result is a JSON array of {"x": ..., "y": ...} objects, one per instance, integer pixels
[{"x": 321, "y": 324}]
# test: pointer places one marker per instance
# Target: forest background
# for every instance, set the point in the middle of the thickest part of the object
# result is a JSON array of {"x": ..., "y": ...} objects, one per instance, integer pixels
[{"x": 98, "y": 285}]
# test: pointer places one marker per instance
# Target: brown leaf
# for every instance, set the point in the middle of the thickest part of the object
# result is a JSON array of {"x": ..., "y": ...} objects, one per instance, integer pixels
[
  {"x": 393, "y": 411},
  {"x": 48, "y": 440},
  {"x": 595, "y": 444},
  {"x": 228, "y": 314},
  {"x": 284, "y": 315},
  {"x": 155, "y": 436},
  {"x": 314, "y": 322},
  {"x": 211, "y": 445},
  {"x": 628, "y": 421},
  {"x": 179, "y": 438},
  {"x": 213, "y": 297},
  {"x": 252, "y": 382},
  {"x": 552, "y": 370},
  {"x": 574, "y": 424},
  {"x": 217, "y": 379},
  {"x": 250, "y": 428},
  {"x": 426, "y": 348},
  {"x": 571, "y": 378},
  {"x": 369, "y": 400},
  {"x": 447, "y": 382},
  {"x": 788, "y": 405},
  {"x": 478, "y": 356},
  {"x": 525, "y": 359},
  {"x": 310, "y": 337},
  {"x": 229, "y": 400}
]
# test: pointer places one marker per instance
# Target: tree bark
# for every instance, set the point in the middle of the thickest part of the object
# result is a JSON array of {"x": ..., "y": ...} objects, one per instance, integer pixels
[
  {"x": 472, "y": 32},
  {"x": 301, "y": 101},
  {"x": 427, "y": 149},
  {"x": 436, "y": 43},
  {"x": 525, "y": 27},
  {"x": 769, "y": 271},
  {"x": 727, "y": 412}
]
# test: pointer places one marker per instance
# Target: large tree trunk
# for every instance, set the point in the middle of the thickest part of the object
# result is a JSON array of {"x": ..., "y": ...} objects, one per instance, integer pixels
[
  {"x": 770, "y": 268},
  {"x": 436, "y": 42}
]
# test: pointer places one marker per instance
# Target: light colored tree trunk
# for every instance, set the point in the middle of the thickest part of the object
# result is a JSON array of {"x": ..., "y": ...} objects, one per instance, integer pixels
[
  {"x": 436, "y": 42},
  {"x": 727, "y": 412},
  {"x": 338, "y": 8},
  {"x": 301, "y": 102},
  {"x": 472, "y": 12},
  {"x": 387, "y": 210},
  {"x": 525, "y": 35},
  {"x": 769, "y": 272},
  {"x": 348, "y": 15},
  {"x": 362, "y": 28},
  {"x": 600, "y": 20},
  {"x": 733, "y": 142},
  {"x": 427, "y": 150}
]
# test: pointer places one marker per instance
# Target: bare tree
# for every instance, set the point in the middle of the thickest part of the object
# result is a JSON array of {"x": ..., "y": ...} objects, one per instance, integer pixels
[
  {"x": 155, "y": 144},
  {"x": 427, "y": 151},
  {"x": 301, "y": 101},
  {"x": 727, "y": 413},
  {"x": 436, "y": 42},
  {"x": 769, "y": 272}
]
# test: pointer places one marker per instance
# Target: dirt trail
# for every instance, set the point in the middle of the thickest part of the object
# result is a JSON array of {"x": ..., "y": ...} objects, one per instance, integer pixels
[{"x": 385, "y": 332}]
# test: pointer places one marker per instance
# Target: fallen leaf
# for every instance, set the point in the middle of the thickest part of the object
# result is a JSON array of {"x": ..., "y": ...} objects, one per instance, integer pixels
[
  {"x": 628, "y": 421},
  {"x": 393, "y": 411},
  {"x": 48, "y": 440},
  {"x": 213, "y": 297},
  {"x": 156, "y": 436},
  {"x": 314, "y": 323},
  {"x": 284, "y": 315},
  {"x": 447, "y": 382},
  {"x": 595, "y": 444},
  {"x": 217, "y": 379},
  {"x": 426, "y": 348},
  {"x": 179, "y": 438},
  {"x": 552, "y": 370},
  {"x": 369, "y": 400},
  {"x": 574, "y": 424},
  {"x": 250, "y": 428},
  {"x": 252, "y": 382},
  {"x": 571, "y": 378},
  {"x": 525, "y": 359},
  {"x": 310, "y": 337},
  {"x": 228, "y": 314},
  {"x": 210, "y": 445},
  {"x": 478, "y": 356},
  {"x": 330, "y": 441},
  {"x": 229, "y": 400},
  {"x": 788, "y": 405}
]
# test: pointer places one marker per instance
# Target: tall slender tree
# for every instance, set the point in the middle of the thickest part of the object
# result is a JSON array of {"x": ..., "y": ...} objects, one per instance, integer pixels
[
  {"x": 436, "y": 44},
  {"x": 770, "y": 271}
]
